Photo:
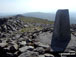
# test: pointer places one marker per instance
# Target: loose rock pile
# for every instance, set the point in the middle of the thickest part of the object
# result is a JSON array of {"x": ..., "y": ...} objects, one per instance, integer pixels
[{"x": 26, "y": 44}]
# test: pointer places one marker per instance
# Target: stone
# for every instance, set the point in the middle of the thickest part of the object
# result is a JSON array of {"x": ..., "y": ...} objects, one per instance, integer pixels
[
  {"x": 61, "y": 35},
  {"x": 45, "y": 38},
  {"x": 41, "y": 45},
  {"x": 41, "y": 56},
  {"x": 48, "y": 55},
  {"x": 11, "y": 55},
  {"x": 3, "y": 44},
  {"x": 25, "y": 48},
  {"x": 17, "y": 35},
  {"x": 26, "y": 26},
  {"x": 12, "y": 49},
  {"x": 71, "y": 30},
  {"x": 44, "y": 46},
  {"x": 29, "y": 54},
  {"x": 40, "y": 50},
  {"x": 22, "y": 43},
  {"x": 0, "y": 41},
  {"x": 31, "y": 48},
  {"x": 74, "y": 33},
  {"x": 16, "y": 46}
]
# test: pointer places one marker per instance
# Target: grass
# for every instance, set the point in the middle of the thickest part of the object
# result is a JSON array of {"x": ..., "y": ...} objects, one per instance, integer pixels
[
  {"x": 36, "y": 20},
  {"x": 33, "y": 20},
  {"x": 30, "y": 29}
]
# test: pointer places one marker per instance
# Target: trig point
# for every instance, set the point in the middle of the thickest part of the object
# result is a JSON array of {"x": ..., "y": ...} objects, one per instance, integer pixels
[{"x": 61, "y": 35}]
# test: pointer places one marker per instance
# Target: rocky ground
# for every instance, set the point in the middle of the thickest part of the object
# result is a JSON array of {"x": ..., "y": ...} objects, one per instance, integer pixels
[{"x": 14, "y": 43}]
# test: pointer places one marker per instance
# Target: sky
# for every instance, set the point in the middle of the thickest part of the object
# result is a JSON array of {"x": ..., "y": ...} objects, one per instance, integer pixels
[{"x": 47, "y": 6}]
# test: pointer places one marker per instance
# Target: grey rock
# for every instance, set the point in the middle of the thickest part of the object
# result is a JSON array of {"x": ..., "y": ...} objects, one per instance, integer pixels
[
  {"x": 29, "y": 54},
  {"x": 26, "y": 25},
  {"x": 22, "y": 43},
  {"x": 3, "y": 44},
  {"x": 45, "y": 38},
  {"x": 41, "y": 56},
  {"x": 12, "y": 49},
  {"x": 48, "y": 55},
  {"x": 25, "y": 48},
  {"x": 74, "y": 33},
  {"x": 44, "y": 46},
  {"x": 40, "y": 50},
  {"x": 17, "y": 35}
]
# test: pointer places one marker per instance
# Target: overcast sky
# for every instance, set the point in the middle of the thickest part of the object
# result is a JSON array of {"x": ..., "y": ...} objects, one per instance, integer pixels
[{"x": 24, "y": 6}]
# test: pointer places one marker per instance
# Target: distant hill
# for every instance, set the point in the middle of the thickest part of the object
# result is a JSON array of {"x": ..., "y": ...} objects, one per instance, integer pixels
[
  {"x": 50, "y": 16},
  {"x": 6, "y": 14},
  {"x": 73, "y": 17}
]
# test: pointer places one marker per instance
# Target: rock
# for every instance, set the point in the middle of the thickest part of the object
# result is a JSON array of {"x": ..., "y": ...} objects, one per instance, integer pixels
[
  {"x": 40, "y": 50},
  {"x": 45, "y": 38},
  {"x": 74, "y": 33},
  {"x": 3, "y": 44},
  {"x": 25, "y": 48},
  {"x": 11, "y": 55},
  {"x": 17, "y": 36},
  {"x": 21, "y": 39},
  {"x": 26, "y": 25},
  {"x": 71, "y": 30},
  {"x": 48, "y": 55},
  {"x": 30, "y": 44},
  {"x": 28, "y": 40},
  {"x": 13, "y": 38},
  {"x": 0, "y": 41},
  {"x": 41, "y": 56},
  {"x": 42, "y": 45},
  {"x": 16, "y": 46},
  {"x": 31, "y": 48},
  {"x": 12, "y": 28},
  {"x": 12, "y": 49},
  {"x": 2, "y": 35},
  {"x": 8, "y": 41},
  {"x": 73, "y": 26},
  {"x": 10, "y": 24},
  {"x": 29, "y": 54},
  {"x": 61, "y": 35},
  {"x": 22, "y": 43}
]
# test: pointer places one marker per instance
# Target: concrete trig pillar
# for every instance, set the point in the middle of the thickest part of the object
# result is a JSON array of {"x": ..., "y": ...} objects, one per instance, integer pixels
[{"x": 61, "y": 35}]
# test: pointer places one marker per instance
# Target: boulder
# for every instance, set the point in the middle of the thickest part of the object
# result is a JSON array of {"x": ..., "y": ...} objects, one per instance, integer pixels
[
  {"x": 12, "y": 49},
  {"x": 40, "y": 50},
  {"x": 48, "y": 55},
  {"x": 41, "y": 56},
  {"x": 29, "y": 54},
  {"x": 25, "y": 48},
  {"x": 22, "y": 43}
]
